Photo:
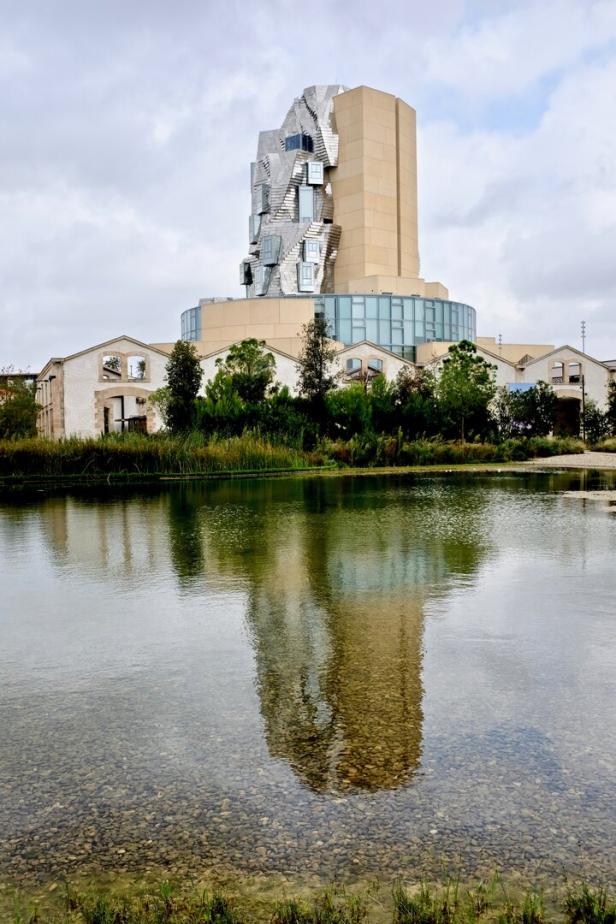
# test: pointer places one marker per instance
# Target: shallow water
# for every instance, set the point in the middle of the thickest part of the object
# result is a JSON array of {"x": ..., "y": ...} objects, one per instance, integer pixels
[{"x": 326, "y": 676}]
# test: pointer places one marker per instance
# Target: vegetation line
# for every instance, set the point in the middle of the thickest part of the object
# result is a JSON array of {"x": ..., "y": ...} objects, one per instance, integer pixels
[{"x": 490, "y": 902}]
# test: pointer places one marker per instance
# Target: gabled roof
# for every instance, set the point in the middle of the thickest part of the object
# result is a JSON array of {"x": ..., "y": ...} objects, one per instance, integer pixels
[
  {"x": 378, "y": 349},
  {"x": 270, "y": 349},
  {"x": 572, "y": 350},
  {"x": 99, "y": 346}
]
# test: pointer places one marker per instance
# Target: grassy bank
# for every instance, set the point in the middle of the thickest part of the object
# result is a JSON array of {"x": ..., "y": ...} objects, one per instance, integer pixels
[
  {"x": 493, "y": 903},
  {"x": 606, "y": 445},
  {"x": 137, "y": 457}
]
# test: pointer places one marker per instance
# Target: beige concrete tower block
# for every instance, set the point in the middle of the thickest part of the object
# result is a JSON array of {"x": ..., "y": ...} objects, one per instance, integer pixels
[{"x": 375, "y": 195}]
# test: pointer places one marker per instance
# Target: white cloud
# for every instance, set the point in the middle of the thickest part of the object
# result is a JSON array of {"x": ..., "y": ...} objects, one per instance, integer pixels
[{"x": 127, "y": 132}]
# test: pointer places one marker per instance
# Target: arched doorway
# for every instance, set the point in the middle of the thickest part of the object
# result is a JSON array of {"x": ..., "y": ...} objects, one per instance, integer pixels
[{"x": 568, "y": 417}]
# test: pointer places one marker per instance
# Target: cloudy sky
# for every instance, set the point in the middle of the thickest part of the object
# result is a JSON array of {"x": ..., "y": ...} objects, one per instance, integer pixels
[{"x": 127, "y": 128}]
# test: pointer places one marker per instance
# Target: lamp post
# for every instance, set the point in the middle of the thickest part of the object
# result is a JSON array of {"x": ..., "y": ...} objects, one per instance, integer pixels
[{"x": 583, "y": 408}]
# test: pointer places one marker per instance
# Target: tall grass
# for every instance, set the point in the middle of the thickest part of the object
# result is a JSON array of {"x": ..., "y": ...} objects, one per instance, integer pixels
[
  {"x": 139, "y": 454},
  {"x": 486, "y": 903},
  {"x": 606, "y": 445}
]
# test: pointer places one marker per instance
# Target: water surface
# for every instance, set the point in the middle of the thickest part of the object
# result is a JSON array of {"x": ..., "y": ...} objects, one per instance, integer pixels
[{"x": 326, "y": 676}]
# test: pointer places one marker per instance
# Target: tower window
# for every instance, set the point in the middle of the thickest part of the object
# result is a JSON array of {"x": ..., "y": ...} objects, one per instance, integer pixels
[
  {"x": 254, "y": 226},
  {"x": 262, "y": 197},
  {"x": 299, "y": 142},
  {"x": 312, "y": 251},
  {"x": 306, "y": 203},
  {"x": 314, "y": 172},
  {"x": 305, "y": 277},
  {"x": 270, "y": 249}
]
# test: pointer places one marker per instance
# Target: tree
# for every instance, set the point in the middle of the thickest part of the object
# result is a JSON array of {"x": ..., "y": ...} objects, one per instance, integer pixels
[
  {"x": 250, "y": 369},
  {"x": 466, "y": 386},
  {"x": 18, "y": 407},
  {"x": 611, "y": 408},
  {"x": 316, "y": 360},
  {"x": 531, "y": 412},
  {"x": 595, "y": 423},
  {"x": 184, "y": 375},
  {"x": 416, "y": 402}
]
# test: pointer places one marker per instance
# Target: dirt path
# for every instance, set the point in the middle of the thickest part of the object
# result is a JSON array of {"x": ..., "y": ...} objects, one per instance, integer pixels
[{"x": 578, "y": 460}]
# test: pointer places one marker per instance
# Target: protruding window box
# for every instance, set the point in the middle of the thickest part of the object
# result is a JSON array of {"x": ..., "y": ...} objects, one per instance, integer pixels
[
  {"x": 306, "y": 203},
  {"x": 262, "y": 278},
  {"x": 299, "y": 142},
  {"x": 245, "y": 273},
  {"x": 312, "y": 251},
  {"x": 262, "y": 198},
  {"x": 270, "y": 249},
  {"x": 314, "y": 173},
  {"x": 254, "y": 226},
  {"x": 305, "y": 277}
]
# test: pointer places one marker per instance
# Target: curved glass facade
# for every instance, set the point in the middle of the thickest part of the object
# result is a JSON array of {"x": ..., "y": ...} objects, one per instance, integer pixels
[
  {"x": 191, "y": 324},
  {"x": 395, "y": 322}
]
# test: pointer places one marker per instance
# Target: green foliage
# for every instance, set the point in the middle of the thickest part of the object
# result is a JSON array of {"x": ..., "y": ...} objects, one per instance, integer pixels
[
  {"x": 526, "y": 413},
  {"x": 595, "y": 424},
  {"x": 249, "y": 368},
  {"x": 606, "y": 445},
  {"x": 417, "y": 404},
  {"x": 18, "y": 409},
  {"x": 465, "y": 388},
  {"x": 328, "y": 908},
  {"x": 349, "y": 410},
  {"x": 611, "y": 408},
  {"x": 316, "y": 377},
  {"x": 589, "y": 906},
  {"x": 184, "y": 375},
  {"x": 137, "y": 454},
  {"x": 424, "y": 907}
]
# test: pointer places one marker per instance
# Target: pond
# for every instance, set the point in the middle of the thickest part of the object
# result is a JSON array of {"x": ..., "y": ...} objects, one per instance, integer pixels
[{"x": 326, "y": 677}]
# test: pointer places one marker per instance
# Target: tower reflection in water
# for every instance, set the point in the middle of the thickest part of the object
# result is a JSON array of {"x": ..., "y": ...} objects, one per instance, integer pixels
[
  {"x": 335, "y": 573},
  {"x": 338, "y": 574}
]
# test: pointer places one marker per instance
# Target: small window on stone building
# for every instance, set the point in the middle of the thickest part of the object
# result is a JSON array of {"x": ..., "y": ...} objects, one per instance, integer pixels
[
  {"x": 136, "y": 368},
  {"x": 353, "y": 364},
  {"x": 375, "y": 365},
  {"x": 558, "y": 372},
  {"x": 575, "y": 373},
  {"x": 112, "y": 367}
]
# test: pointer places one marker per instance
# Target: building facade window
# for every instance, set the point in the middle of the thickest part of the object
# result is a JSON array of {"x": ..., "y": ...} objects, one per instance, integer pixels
[
  {"x": 299, "y": 142},
  {"x": 191, "y": 324},
  {"x": 395, "y": 322},
  {"x": 575, "y": 373},
  {"x": 261, "y": 279},
  {"x": 262, "y": 198},
  {"x": 314, "y": 172},
  {"x": 270, "y": 249},
  {"x": 254, "y": 226},
  {"x": 306, "y": 203},
  {"x": 312, "y": 251},
  {"x": 305, "y": 277},
  {"x": 353, "y": 364},
  {"x": 558, "y": 373}
]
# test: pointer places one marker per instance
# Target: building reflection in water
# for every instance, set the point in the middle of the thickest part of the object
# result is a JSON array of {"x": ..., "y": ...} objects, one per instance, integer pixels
[{"x": 336, "y": 574}]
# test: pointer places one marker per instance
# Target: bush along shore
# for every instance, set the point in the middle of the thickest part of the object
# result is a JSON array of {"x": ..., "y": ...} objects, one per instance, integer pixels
[
  {"x": 492, "y": 903},
  {"x": 138, "y": 457}
]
